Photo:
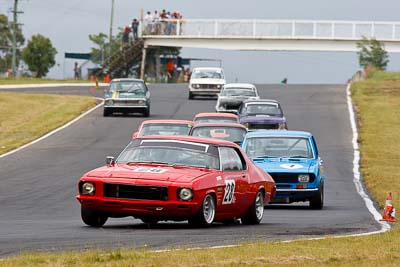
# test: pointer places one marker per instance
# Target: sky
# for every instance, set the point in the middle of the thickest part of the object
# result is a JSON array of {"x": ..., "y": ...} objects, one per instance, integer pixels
[{"x": 69, "y": 23}]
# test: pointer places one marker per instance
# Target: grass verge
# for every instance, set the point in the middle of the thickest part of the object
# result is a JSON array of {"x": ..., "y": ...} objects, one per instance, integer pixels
[
  {"x": 377, "y": 101},
  {"x": 4, "y": 81},
  {"x": 25, "y": 117}
]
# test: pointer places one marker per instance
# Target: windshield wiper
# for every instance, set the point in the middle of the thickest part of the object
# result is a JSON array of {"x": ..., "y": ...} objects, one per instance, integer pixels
[
  {"x": 264, "y": 157},
  {"x": 299, "y": 156}
]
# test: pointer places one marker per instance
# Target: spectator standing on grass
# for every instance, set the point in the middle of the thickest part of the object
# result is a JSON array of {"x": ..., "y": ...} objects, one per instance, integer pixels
[
  {"x": 135, "y": 26},
  {"x": 76, "y": 71}
]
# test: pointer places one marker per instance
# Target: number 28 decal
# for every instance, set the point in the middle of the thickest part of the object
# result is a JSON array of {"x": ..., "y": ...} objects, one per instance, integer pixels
[{"x": 229, "y": 191}]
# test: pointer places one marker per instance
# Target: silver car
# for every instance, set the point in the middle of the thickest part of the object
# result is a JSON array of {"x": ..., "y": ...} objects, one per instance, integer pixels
[
  {"x": 233, "y": 94},
  {"x": 127, "y": 95}
]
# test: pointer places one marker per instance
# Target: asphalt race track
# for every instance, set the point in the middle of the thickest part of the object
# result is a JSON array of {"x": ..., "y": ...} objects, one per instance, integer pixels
[{"x": 38, "y": 209}]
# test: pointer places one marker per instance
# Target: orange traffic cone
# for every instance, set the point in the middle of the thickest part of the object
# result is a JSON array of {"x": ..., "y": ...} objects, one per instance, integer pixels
[
  {"x": 91, "y": 78},
  {"x": 389, "y": 211}
]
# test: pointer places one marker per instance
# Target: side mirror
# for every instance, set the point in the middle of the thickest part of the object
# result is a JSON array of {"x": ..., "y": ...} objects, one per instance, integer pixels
[{"x": 110, "y": 161}]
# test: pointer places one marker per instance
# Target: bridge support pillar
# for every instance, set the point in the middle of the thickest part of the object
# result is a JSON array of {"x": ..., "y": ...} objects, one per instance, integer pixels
[{"x": 143, "y": 65}]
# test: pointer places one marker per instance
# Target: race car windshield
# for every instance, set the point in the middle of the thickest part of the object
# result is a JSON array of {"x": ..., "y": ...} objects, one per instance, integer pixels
[
  {"x": 238, "y": 92},
  {"x": 165, "y": 129},
  {"x": 132, "y": 87},
  {"x": 204, "y": 74},
  {"x": 278, "y": 147},
  {"x": 233, "y": 134},
  {"x": 169, "y": 155},
  {"x": 215, "y": 119},
  {"x": 265, "y": 109}
]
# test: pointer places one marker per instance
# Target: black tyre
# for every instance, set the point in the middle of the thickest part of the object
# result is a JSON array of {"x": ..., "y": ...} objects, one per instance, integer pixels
[
  {"x": 146, "y": 113},
  {"x": 191, "y": 96},
  {"x": 106, "y": 112},
  {"x": 206, "y": 214},
  {"x": 256, "y": 210},
  {"x": 93, "y": 218},
  {"x": 317, "y": 203}
]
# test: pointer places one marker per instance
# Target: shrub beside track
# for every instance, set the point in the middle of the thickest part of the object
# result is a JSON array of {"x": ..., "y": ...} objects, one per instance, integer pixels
[{"x": 377, "y": 102}]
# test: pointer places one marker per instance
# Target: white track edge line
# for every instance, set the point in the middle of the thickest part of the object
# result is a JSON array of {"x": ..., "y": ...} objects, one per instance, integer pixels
[
  {"x": 47, "y": 85},
  {"x": 54, "y": 131}
]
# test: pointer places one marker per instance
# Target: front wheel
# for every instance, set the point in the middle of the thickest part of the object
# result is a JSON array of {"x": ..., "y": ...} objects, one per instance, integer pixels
[
  {"x": 317, "y": 203},
  {"x": 106, "y": 112},
  {"x": 206, "y": 214},
  {"x": 92, "y": 218},
  {"x": 191, "y": 96},
  {"x": 146, "y": 113},
  {"x": 256, "y": 211}
]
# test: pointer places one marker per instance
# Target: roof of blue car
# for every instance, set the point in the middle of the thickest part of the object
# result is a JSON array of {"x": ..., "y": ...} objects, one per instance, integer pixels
[{"x": 278, "y": 133}]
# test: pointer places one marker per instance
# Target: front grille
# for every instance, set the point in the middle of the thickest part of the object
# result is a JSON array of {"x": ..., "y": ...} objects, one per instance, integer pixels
[
  {"x": 233, "y": 105},
  {"x": 263, "y": 126},
  {"x": 136, "y": 192},
  {"x": 289, "y": 177},
  {"x": 209, "y": 86},
  {"x": 126, "y": 102}
]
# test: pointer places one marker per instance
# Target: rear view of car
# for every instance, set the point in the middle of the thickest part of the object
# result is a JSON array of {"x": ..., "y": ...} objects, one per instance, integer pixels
[
  {"x": 127, "y": 96},
  {"x": 206, "y": 82},
  {"x": 232, "y": 96},
  {"x": 262, "y": 114}
]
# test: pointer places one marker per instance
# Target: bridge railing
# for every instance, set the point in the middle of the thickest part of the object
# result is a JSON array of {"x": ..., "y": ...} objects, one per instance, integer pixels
[{"x": 274, "y": 29}]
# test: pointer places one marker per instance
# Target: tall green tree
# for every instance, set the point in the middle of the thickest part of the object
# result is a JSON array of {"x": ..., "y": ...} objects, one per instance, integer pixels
[
  {"x": 39, "y": 55},
  {"x": 6, "y": 32},
  {"x": 372, "y": 53}
]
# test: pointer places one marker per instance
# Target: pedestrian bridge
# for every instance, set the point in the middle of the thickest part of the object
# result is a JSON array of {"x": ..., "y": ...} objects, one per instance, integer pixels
[{"x": 273, "y": 35}]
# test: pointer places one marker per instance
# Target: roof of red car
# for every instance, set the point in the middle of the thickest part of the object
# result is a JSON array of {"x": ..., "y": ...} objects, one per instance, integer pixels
[
  {"x": 215, "y": 114},
  {"x": 168, "y": 121},
  {"x": 219, "y": 124},
  {"x": 189, "y": 139}
]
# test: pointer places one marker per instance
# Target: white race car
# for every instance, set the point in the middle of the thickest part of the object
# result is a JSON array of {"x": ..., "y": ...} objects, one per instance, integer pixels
[{"x": 206, "y": 81}]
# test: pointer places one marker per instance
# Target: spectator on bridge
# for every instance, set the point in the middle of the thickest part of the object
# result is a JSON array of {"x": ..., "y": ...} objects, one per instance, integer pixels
[
  {"x": 284, "y": 81},
  {"x": 156, "y": 21},
  {"x": 135, "y": 26},
  {"x": 125, "y": 37},
  {"x": 148, "y": 19}
]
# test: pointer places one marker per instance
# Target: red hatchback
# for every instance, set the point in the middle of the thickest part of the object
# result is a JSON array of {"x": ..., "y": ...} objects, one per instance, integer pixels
[{"x": 159, "y": 178}]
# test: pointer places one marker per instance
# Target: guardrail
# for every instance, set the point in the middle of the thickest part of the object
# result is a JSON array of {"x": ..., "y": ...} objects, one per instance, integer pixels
[{"x": 271, "y": 29}]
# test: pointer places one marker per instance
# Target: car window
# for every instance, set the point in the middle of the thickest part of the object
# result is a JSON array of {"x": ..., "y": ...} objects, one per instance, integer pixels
[
  {"x": 215, "y": 119},
  {"x": 207, "y": 74},
  {"x": 233, "y": 134},
  {"x": 165, "y": 129},
  {"x": 230, "y": 160},
  {"x": 265, "y": 109},
  {"x": 277, "y": 147},
  {"x": 132, "y": 87},
  {"x": 237, "y": 92}
]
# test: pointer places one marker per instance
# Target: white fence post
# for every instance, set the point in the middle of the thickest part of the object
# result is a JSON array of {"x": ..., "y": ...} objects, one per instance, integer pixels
[
  {"x": 314, "y": 29},
  {"x": 333, "y": 30},
  {"x": 353, "y": 34},
  {"x": 293, "y": 28},
  {"x": 215, "y": 28},
  {"x": 178, "y": 27},
  {"x": 393, "y": 31}
]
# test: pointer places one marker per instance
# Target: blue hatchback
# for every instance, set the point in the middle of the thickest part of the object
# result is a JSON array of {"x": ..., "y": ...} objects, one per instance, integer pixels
[{"x": 292, "y": 159}]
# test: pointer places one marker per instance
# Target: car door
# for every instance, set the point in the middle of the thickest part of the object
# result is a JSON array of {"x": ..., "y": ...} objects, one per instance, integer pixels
[{"x": 235, "y": 177}]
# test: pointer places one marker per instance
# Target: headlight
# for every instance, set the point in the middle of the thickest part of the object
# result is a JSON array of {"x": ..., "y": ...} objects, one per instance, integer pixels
[
  {"x": 109, "y": 102},
  {"x": 88, "y": 188},
  {"x": 219, "y": 86},
  {"x": 141, "y": 102},
  {"x": 282, "y": 126},
  {"x": 196, "y": 86},
  {"x": 185, "y": 194},
  {"x": 304, "y": 178}
]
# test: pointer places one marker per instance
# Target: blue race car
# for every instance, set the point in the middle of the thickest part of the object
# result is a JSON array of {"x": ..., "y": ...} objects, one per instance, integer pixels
[{"x": 292, "y": 159}]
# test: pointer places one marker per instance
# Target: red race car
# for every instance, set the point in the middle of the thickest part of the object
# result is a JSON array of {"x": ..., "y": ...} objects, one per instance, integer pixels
[
  {"x": 205, "y": 117},
  {"x": 177, "y": 178},
  {"x": 163, "y": 127},
  {"x": 233, "y": 132}
]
